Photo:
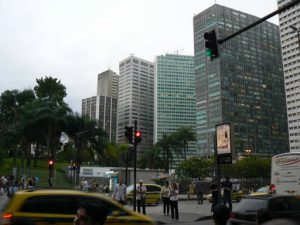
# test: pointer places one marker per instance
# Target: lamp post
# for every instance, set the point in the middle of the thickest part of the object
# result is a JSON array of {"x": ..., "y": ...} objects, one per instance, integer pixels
[{"x": 295, "y": 29}]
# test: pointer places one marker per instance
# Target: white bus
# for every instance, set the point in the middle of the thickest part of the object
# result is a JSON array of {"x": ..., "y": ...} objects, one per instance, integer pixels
[{"x": 285, "y": 173}]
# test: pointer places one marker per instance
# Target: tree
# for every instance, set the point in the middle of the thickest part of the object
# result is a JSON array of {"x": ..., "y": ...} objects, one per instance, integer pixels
[
  {"x": 52, "y": 110},
  {"x": 165, "y": 150},
  {"x": 151, "y": 159},
  {"x": 49, "y": 88},
  {"x": 185, "y": 135},
  {"x": 195, "y": 167}
]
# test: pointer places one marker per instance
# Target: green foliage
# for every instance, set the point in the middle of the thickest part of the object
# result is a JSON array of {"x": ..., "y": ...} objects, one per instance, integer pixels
[
  {"x": 151, "y": 159},
  {"x": 195, "y": 167},
  {"x": 49, "y": 88}
]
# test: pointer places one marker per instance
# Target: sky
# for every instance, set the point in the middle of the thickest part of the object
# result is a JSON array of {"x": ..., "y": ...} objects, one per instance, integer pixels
[{"x": 75, "y": 40}]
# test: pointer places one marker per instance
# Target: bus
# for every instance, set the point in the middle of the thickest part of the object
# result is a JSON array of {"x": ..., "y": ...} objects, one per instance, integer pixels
[{"x": 285, "y": 173}]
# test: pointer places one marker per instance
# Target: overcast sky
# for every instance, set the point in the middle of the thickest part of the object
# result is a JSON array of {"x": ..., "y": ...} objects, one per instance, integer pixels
[{"x": 74, "y": 40}]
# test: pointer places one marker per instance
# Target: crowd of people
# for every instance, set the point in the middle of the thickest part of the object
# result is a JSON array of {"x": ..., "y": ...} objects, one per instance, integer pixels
[{"x": 10, "y": 184}]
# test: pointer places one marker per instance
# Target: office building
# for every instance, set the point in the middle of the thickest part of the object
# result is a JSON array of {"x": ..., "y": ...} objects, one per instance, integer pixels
[
  {"x": 289, "y": 23},
  {"x": 136, "y": 99},
  {"x": 244, "y": 86},
  {"x": 175, "y": 105},
  {"x": 103, "y": 107}
]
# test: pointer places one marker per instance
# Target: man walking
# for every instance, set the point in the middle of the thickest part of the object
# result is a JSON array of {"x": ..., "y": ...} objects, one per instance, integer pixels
[
  {"x": 199, "y": 191},
  {"x": 120, "y": 192},
  {"x": 141, "y": 197},
  {"x": 227, "y": 185}
]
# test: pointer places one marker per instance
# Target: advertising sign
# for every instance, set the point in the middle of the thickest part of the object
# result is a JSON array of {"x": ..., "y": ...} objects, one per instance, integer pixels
[{"x": 223, "y": 139}]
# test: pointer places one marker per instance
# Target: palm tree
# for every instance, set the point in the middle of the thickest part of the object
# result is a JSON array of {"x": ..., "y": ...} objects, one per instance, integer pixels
[
  {"x": 185, "y": 135},
  {"x": 165, "y": 146}
]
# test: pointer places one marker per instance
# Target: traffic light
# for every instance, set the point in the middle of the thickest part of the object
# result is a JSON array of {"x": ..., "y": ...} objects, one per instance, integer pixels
[
  {"x": 137, "y": 137},
  {"x": 211, "y": 44},
  {"x": 129, "y": 134},
  {"x": 51, "y": 164}
]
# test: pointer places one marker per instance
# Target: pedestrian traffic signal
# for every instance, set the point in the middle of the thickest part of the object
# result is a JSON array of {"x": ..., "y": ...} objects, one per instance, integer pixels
[
  {"x": 129, "y": 134},
  {"x": 51, "y": 164},
  {"x": 137, "y": 137},
  {"x": 211, "y": 44}
]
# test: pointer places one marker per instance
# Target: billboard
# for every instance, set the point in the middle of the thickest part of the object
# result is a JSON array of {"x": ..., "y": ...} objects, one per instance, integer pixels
[{"x": 223, "y": 139}]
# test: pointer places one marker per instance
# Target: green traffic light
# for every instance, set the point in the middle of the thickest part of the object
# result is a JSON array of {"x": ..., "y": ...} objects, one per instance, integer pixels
[{"x": 208, "y": 52}]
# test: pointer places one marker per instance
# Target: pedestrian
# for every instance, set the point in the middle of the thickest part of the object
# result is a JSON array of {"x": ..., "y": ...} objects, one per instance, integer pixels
[
  {"x": 141, "y": 197},
  {"x": 174, "y": 201},
  {"x": 191, "y": 190},
  {"x": 214, "y": 188},
  {"x": 93, "y": 210},
  {"x": 227, "y": 186},
  {"x": 50, "y": 182},
  {"x": 120, "y": 192},
  {"x": 199, "y": 191},
  {"x": 83, "y": 220},
  {"x": 221, "y": 215},
  {"x": 165, "y": 197}
]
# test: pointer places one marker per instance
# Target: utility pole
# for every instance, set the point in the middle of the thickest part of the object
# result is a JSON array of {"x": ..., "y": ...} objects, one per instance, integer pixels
[{"x": 134, "y": 172}]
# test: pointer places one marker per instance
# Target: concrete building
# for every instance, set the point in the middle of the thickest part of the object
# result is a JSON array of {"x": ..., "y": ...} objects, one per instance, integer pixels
[
  {"x": 136, "y": 99},
  {"x": 243, "y": 87},
  {"x": 103, "y": 107},
  {"x": 289, "y": 23},
  {"x": 175, "y": 105}
]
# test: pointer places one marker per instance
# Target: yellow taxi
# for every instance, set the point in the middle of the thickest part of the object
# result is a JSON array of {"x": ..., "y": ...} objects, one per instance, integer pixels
[
  {"x": 265, "y": 190},
  {"x": 60, "y": 206},
  {"x": 152, "y": 194}
]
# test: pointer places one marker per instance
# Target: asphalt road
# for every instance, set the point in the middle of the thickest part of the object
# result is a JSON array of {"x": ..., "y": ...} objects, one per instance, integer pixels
[{"x": 189, "y": 213}]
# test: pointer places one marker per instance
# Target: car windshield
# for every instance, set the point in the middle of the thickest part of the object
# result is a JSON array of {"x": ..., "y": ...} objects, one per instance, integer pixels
[
  {"x": 130, "y": 188},
  {"x": 263, "y": 189},
  {"x": 251, "y": 205}
]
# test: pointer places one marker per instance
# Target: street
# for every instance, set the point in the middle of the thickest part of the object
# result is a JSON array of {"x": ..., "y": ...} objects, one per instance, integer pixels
[{"x": 189, "y": 213}]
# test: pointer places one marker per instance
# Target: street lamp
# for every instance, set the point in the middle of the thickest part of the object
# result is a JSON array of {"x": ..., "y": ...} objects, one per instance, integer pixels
[{"x": 295, "y": 29}]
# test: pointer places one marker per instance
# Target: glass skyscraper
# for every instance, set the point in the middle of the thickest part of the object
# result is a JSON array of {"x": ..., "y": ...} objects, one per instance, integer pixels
[
  {"x": 174, "y": 96},
  {"x": 243, "y": 87}
]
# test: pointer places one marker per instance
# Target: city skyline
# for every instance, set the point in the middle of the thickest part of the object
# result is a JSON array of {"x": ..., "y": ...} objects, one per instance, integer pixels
[{"x": 74, "y": 42}]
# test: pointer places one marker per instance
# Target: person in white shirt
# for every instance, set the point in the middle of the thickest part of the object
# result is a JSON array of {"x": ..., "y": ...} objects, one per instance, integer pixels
[
  {"x": 174, "y": 201},
  {"x": 165, "y": 192},
  {"x": 120, "y": 192},
  {"x": 141, "y": 196}
]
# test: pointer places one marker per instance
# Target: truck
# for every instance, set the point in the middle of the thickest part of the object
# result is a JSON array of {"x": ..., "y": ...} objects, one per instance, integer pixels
[{"x": 285, "y": 173}]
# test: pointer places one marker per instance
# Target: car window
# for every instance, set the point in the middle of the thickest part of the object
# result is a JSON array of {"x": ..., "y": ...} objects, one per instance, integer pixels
[
  {"x": 251, "y": 205},
  {"x": 109, "y": 206},
  {"x": 52, "y": 204},
  {"x": 151, "y": 188},
  {"x": 293, "y": 203},
  {"x": 263, "y": 189},
  {"x": 278, "y": 204}
]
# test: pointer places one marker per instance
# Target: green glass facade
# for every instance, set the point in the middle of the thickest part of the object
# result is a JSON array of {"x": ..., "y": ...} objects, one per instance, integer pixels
[
  {"x": 174, "y": 96},
  {"x": 243, "y": 87}
]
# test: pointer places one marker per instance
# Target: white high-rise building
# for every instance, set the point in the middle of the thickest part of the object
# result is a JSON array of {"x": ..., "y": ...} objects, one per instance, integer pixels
[
  {"x": 136, "y": 99},
  {"x": 289, "y": 23}
]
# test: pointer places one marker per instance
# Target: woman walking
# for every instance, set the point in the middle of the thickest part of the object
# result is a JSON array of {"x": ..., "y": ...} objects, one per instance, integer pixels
[
  {"x": 174, "y": 201},
  {"x": 165, "y": 192}
]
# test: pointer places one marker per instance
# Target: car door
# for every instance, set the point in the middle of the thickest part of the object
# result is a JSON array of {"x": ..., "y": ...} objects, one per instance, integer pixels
[{"x": 51, "y": 209}]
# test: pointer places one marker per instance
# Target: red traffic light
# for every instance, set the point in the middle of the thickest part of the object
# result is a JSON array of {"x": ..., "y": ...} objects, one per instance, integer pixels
[
  {"x": 51, "y": 162},
  {"x": 138, "y": 134}
]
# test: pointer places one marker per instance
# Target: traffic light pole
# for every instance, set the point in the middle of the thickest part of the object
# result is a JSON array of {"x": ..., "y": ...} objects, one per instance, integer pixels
[
  {"x": 134, "y": 172},
  {"x": 283, "y": 8}
]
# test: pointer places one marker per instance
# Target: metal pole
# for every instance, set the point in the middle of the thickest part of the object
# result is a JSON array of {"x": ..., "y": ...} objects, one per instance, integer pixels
[
  {"x": 283, "y": 8},
  {"x": 134, "y": 173}
]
